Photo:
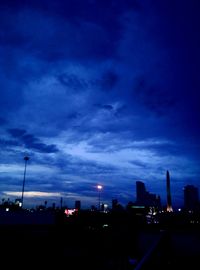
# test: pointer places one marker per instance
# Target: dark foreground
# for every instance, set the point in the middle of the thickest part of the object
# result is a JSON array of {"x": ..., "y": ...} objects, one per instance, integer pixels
[
  {"x": 48, "y": 245},
  {"x": 83, "y": 245}
]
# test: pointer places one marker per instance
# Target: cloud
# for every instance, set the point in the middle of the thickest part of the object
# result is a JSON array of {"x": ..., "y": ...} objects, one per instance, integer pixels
[
  {"x": 2, "y": 121},
  {"x": 98, "y": 91},
  {"x": 109, "y": 80},
  {"x": 156, "y": 99},
  {"x": 16, "y": 132},
  {"x": 54, "y": 38},
  {"x": 8, "y": 143},
  {"x": 29, "y": 141},
  {"x": 106, "y": 107},
  {"x": 34, "y": 194},
  {"x": 17, "y": 169},
  {"x": 73, "y": 82}
]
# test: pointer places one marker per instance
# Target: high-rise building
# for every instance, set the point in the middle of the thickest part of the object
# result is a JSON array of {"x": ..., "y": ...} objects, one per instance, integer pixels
[
  {"x": 140, "y": 192},
  {"x": 169, "y": 200},
  {"x": 191, "y": 197},
  {"x": 78, "y": 205},
  {"x": 144, "y": 197}
]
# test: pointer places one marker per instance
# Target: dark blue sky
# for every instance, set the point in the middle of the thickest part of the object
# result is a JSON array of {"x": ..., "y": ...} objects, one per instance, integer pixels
[{"x": 98, "y": 92}]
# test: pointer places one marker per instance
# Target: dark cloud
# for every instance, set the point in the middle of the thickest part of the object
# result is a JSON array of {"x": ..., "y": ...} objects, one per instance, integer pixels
[
  {"x": 52, "y": 38},
  {"x": 102, "y": 12},
  {"x": 109, "y": 80},
  {"x": 154, "y": 98},
  {"x": 73, "y": 82},
  {"x": 16, "y": 132},
  {"x": 90, "y": 80},
  {"x": 31, "y": 142},
  {"x": 106, "y": 107},
  {"x": 121, "y": 110},
  {"x": 73, "y": 115},
  {"x": 2, "y": 121},
  {"x": 8, "y": 143},
  {"x": 139, "y": 164},
  {"x": 11, "y": 96}
]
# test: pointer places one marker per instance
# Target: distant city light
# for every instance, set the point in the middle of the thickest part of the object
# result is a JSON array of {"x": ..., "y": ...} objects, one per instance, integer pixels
[
  {"x": 69, "y": 212},
  {"x": 137, "y": 206}
]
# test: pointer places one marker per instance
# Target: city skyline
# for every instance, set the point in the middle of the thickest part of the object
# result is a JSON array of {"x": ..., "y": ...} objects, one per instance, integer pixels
[
  {"x": 99, "y": 93},
  {"x": 141, "y": 196}
]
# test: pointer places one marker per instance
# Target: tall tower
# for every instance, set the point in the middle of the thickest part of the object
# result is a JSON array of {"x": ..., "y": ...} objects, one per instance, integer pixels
[{"x": 169, "y": 200}]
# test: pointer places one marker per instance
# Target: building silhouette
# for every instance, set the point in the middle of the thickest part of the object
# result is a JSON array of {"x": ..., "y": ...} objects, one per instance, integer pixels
[
  {"x": 143, "y": 197},
  {"x": 78, "y": 205},
  {"x": 169, "y": 200},
  {"x": 191, "y": 197},
  {"x": 140, "y": 192}
]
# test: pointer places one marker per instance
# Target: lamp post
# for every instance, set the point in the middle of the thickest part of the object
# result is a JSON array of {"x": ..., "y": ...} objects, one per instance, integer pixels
[
  {"x": 99, "y": 187},
  {"x": 26, "y": 158}
]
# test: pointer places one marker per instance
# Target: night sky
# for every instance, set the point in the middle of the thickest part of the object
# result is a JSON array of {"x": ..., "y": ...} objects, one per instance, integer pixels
[{"x": 98, "y": 92}]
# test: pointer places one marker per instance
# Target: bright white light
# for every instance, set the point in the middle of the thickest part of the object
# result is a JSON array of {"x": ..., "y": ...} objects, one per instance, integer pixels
[{"x": 99, "y": 187}]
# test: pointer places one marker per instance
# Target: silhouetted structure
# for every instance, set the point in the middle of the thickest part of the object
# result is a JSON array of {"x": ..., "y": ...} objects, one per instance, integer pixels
[
  {"x": 144, "y": 197},
  {"x": 114, "y": 204},
  {"x": 169, "y": 200},
  {"x": 99, "y": 187},
  {"x": 191, "y": 197},
  {"x": 140, "y": 192},
  {"x": 78, "y": 205},
  {"x": 25, "y": 159}
]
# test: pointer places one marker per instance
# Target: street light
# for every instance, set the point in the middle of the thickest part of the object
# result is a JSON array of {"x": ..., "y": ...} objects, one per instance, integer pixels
[
  {"x": 25, "y": 159},
  {"x": 99, "y": 187}
]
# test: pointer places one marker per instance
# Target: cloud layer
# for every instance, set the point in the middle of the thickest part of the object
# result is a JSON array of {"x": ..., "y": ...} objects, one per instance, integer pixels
[{"x": 103, "y": 93}]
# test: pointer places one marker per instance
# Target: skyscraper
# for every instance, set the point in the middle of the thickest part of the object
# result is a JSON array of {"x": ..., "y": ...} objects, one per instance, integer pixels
[
  {"x": 191, "y": 197},
  {"x": 78, "y": 205},
  {"x": 169, "y": 200},
  {"x": 140, "y": 192},
  {"x": 143, "y": 197}
]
